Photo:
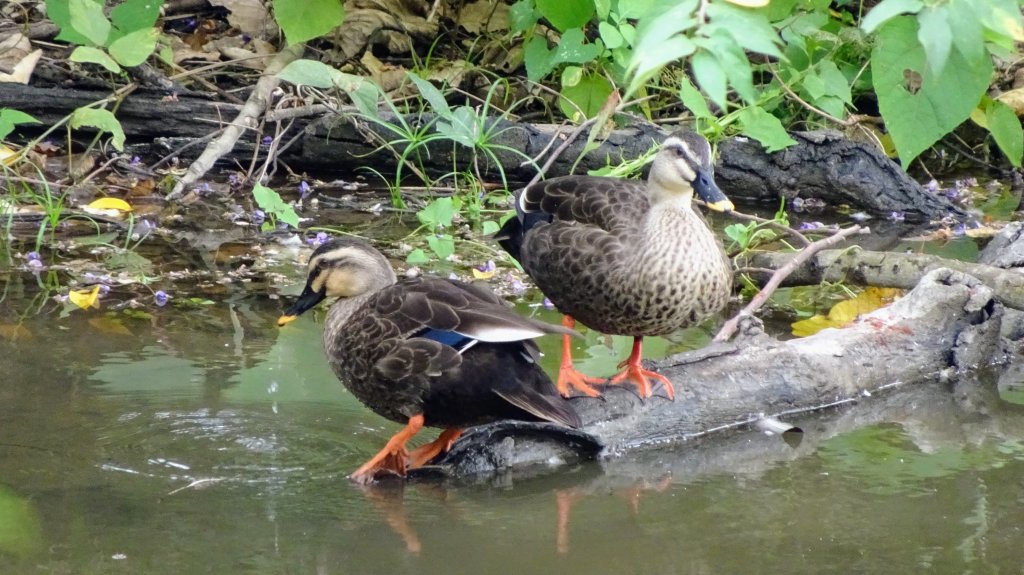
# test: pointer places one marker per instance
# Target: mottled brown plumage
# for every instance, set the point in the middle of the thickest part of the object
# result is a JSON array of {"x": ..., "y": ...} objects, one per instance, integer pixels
[
  {"x": 627, "y": 257},
  {"x": 426, "y": 351}
]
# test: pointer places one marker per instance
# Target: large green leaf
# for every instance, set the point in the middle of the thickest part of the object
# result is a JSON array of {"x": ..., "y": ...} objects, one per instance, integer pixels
[
  {"x": 59, "y": 12},
  {"x": 765, "y": 128},
  {"x": 1005, "y": 127},
  {"x": 9, "y": 118},
  {"x": 304, "y": 20},
  {"x": 887, "y": 10},
  {"x": 709, "y": 76},
  {"x": 589, "y": 94},
  {"x": 918, "y": 115},
  {"x": 133, "y": 48},
  {"x": 566, "y": 14},
  {"x": 134, "y": 15},
  {"x": 102, "y": 120},
  {"x": 94, "y": 56},
  {"x": 935, "y": 35},
  {"x": 87, "y": 18},
  {"x": 750, "y": 28},
  {"x": 364, "y": 93}
]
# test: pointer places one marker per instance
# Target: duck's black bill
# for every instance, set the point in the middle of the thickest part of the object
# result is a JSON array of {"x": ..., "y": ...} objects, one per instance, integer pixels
[
  {"x": 708, "y": 191},
  {"x": 307, "y": 300}
]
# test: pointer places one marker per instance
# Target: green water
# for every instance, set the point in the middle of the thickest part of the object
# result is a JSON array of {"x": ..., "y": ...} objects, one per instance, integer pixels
[{"x": 210, "y": 441}]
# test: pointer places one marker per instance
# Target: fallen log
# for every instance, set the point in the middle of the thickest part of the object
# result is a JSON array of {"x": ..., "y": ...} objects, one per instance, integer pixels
[
  {"x": 950, "y": 321},
  {"x": 823, "y": 164},
  {"x": 885, "y": 269}
]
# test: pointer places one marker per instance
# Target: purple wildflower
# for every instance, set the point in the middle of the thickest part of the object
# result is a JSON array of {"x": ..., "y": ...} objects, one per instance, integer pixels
[
  {"x": 811, "y": 225},
  {"x": 33, "y": 256},
  {"x": 518, "y": 287},
  {"x": 932, "y": 186},
  {"x": 487, "y": 267},
  {"x": 258, "y": 217},
  {"x": 548, "y": 304},
  {"x": 267, "y": 140},
  {"x": 304, "y": 189},
  {"x": 104, "y": 290},
  {"x": 959, "y": 230},
  {"x": 135, "y": 161},
  {"x": 897, "y": 216},
  {"x": 160, "y": 298}
]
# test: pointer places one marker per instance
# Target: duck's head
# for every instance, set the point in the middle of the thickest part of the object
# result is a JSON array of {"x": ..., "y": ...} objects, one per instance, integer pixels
[
  {"x": 341, "y": 268},
  {"x": 683, "y": 167}
]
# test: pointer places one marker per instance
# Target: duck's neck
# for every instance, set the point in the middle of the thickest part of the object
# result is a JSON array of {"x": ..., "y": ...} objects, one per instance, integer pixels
[
  {"x": 666, "y": 212},
  {"x": 338, "y": 315}
]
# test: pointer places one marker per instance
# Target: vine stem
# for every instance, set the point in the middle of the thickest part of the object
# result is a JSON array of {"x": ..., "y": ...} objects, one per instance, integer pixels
[{"x": 782, "y": 273}]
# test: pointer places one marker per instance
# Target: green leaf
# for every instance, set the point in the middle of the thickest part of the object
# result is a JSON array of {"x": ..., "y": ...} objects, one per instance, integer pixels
[
  {"x": 571, "y": 76},
  {"x": 538, "y": 59},
  {"x": 94, "y": 56},
  {"x": 765, "y": 128},
  {"x": 887, "y": 10},
  {"x": 434, "y": 97},
  {"x": 522, "y": 16},
  {"x": 589, "y": 94},
  {"x": 9, "y": 118},
  {"x": 693, "y": 100},
  {"x": 363, "y": 92},
  {"x": 647, "y": 60},
  {"x": 60, "y": 13},
  {"x": 463, "y": 127},
  {"x": 935, "y": 35},
  {"x": 917, "y": 116},
  {"x": 88, "y": 20},
  {"x": 437, "y": 214},
  {"x": 566, "y": 14},
  {"x": 574, "y": 49},
  {"x": 417, "y": 257},
  {"x": 270, "y": 201},
  {"x": 490, "y": 227},
  {"x": 1005, "y": 127},
  {"x": 102, "y": 120},
  {"x": 749, "y": 28},
  {"x": 733, "y": 62},
  {"x": 133, "y": 48},
  {"x": 966, "y": 28},
  {"x": 304, "y": 20},
  {"x": 710, "y": 77},
  {"x": 134, "y": 15},
  {"x": 834, "y": 82},
  {"x": 610, "y": 34},
  {"x": 442, "y": 245}
]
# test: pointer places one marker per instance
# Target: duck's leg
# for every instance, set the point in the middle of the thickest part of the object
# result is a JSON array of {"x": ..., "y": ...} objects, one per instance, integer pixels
[
  {"x": 393, "y": 458},
  {"x": 568, "y": 377},
  {"x": 422, "y": 455},
  {"x": 638, "y": 375}
]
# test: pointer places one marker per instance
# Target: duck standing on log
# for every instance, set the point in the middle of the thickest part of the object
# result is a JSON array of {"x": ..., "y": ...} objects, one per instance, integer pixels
[
  {"x": 426, "y": 352},
  {"x": 626, "y": 257}
]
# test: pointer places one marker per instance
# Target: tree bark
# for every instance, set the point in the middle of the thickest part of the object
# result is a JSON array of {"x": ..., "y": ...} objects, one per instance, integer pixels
[{"x": 887, "y": 269}]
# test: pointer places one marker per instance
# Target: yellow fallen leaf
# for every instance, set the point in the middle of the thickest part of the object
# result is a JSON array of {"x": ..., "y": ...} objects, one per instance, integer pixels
[
  {"x": 7, "y": 155},
  {"x": 110, "y": 204},
  {"x": 85, "y": 298},
  {"x": 109, "y": 325},
  {"x": 483, "y": 275},
  {"x": 845, "y": 312}
]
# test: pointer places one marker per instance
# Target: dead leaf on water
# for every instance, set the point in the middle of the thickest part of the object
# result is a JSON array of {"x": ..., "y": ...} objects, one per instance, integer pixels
[
  {"x": 845, "y": 312},
  {"x": 116, "y": 204},
  {"x": 109, "y": 325},
  {"x": 15, "y": 332}
]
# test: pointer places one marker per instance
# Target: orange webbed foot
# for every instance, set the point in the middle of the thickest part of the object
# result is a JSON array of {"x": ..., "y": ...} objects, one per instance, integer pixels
[
  {"x": 391, "y": 460},
  {"x": 641, "y": 377},
  {"x": 424, "y": 454}
]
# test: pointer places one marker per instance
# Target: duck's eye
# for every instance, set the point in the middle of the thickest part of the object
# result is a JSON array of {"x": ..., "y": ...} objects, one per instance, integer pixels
[{"x": 679, "y": 152}]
